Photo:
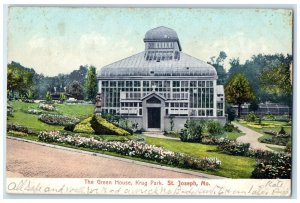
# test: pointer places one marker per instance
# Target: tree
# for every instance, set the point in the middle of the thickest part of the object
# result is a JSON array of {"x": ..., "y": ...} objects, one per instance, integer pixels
[
  {"x": 253, "y": 106},
  {"x": 91, "y": 84},
  {"x": 219, "y": 66},
  {"x": 76, "y": 90},
  {"x": 19, "y": 79},
  {"x": 238, "y": 91},
  {"x": 277, "y": 80}
]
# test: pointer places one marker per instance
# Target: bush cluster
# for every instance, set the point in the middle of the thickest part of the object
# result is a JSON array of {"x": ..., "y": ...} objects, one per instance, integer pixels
[
  {"x": 250, "y": 117},
  {"x": 54, "y": 119},
  {"x": 193, "y": 131},
  {"x": 234, "y": 148},
  {"x": 228, "y": 127},
  {"x": 275, "y": 165},
  {"x": 135, "y": 149},
  {"x": 214, "y": 128}
]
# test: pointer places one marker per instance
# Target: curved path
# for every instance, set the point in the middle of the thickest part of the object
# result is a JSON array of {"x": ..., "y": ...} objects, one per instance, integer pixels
[
  {"x": 33, "y": 159},
  {"x": 251, "y": 136}
]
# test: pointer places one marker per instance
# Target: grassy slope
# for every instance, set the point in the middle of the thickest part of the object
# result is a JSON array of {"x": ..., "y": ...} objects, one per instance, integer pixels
[{"x": 232, "y": 166}]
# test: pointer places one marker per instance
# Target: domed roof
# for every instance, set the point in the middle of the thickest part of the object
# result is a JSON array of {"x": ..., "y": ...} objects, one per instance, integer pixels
[
  {"x": 161, "y": 34},
  {"x": 136, "y": 65}
]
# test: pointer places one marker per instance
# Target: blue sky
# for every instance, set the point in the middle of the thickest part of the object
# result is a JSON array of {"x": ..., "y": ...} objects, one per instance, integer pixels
[{"x": 56, "y": 40}]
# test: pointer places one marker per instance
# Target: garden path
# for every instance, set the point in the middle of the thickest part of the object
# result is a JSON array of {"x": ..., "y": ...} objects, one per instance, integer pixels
[{"x": 251, "y": 137}]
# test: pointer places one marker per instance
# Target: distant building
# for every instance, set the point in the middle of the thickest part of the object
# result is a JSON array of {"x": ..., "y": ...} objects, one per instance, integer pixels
[
  {"x": 267, "y": 108},
  {"x": 159, "y": 83}
]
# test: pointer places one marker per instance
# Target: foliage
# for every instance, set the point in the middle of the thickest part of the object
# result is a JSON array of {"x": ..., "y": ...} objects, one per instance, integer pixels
[
  {"x": 276, "y": 165},
  {"x": 250, "y": 117},
  {"x": 231, "y": 113},
  {"x": 62, "y": 97},
  {"x": 253, "y": 69},
  {"x": 253, "y": 106},
  {"x": 269, "y": 116},
  {"x": 84, "y": 126},
  {"x": 29, "y": 94},
  {"x": 234, "y": 148},
  {"x": 228, "y": 127},
  {"x": 192, "y": 131},
  {"x": 214, "y": 127},
  {"x": 75, "y": 89},
  {"x": 218, "y": 63},
  {"x": 135, "y": 149},
  {"x": 103, "y": 127},
  {"x": 48, "y": 97},
  {"x": 238, "y": 91},
  {"x": 91, "y": 84},
  {"x": 277, "y": 79},
  {"x": 54, "y": 119},
  {"x": 19, "y": 80}
]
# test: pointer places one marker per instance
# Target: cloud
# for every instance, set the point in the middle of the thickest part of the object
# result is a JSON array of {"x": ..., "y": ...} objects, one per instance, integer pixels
[{"x": 52, "y": 56}]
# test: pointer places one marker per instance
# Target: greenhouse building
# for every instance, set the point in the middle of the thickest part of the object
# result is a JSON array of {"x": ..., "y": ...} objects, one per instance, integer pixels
[{"x": 161, "y": 87}]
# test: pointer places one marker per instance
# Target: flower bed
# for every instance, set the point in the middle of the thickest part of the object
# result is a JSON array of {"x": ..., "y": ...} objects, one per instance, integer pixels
[
  {"x": 47, "y": 107},
  {"x": 19, "y": 128},
  {"x": 135, "y": 149},
  {"x": 54, "y": 119},
  {"x": 34, "y": 111}
]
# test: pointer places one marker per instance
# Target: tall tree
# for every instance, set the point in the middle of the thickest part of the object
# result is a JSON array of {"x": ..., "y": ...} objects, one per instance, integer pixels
[
  {"x": 238, "y": 91},
  {"x": 76, "y": 90},
  {"x": 218, "y": 63},
  {"x": 91, "y": 84}
]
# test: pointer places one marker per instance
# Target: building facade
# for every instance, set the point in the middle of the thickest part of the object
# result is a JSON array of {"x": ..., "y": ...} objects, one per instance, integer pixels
[{"x": 161, "y": 84}]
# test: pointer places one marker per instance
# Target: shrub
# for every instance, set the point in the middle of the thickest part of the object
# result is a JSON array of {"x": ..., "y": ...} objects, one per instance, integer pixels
[
  {"x": 62, "y": 97},
  {"x": 70, "y": 127},
  {"x": 234, "y": 148},
  {"x": 214, "y": 140},
  {"x": 214, "y": 128},
  {"x": 54, "y": 119},
  {"x": 193, "y": 131},
  {"x": 28, "y": 100},
  {"x": 9, "y": 110},
  {"x": 135, "y": 149},
  {"x": 250, "y": 117},
  {"x": 228, "y": 127},
  {"x": 84, "y": 126},
  {"x": 48, "y": 97},
  {"x": 269, "y": 116},
  {"x": 103, "y": 127},
  {"x": 276, "y": 165}
]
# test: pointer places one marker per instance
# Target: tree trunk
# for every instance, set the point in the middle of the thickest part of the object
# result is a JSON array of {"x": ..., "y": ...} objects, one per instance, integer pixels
[{"x": 239, "y": 110}]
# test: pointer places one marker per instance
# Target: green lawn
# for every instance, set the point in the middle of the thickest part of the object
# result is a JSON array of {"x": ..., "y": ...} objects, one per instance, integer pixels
[
  {"x": 232, "y": 166},
  {"x": 31, "y": 121}
]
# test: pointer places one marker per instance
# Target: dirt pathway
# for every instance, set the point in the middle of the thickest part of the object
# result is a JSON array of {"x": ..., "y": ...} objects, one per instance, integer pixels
[
  {"x": 251, "y": 137},
  {"x": 26, "y": 159}
]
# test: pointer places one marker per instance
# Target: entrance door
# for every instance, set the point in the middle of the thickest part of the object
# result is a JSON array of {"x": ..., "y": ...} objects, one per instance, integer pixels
[{"x": 153, "y": 117}]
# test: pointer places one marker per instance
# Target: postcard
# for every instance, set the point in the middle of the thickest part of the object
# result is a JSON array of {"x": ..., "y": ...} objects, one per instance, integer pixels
[{"x": 188, "y": 101}]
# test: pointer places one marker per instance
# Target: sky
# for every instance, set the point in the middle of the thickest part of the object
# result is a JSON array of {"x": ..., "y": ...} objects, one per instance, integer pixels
[{"x": 55, "y": 40}]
